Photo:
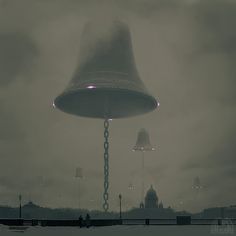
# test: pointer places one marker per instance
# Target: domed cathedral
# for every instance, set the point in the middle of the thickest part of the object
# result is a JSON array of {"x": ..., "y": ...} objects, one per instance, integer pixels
[
  {"x": 151, "y": 208},
  {"x": 151, "y": 199}
]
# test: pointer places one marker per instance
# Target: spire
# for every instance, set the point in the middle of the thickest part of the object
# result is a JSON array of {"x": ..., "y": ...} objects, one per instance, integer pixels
[{"x": 161, "y": 205}]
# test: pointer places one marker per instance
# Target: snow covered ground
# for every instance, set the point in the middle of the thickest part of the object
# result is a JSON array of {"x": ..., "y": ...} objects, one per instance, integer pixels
[{"x": 119, "y": 230}]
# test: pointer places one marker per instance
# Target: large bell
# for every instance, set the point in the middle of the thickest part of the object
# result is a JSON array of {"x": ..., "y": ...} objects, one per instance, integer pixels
[
  {"x": 106, "y": 83},
  {"x": 143, "y": 142}
]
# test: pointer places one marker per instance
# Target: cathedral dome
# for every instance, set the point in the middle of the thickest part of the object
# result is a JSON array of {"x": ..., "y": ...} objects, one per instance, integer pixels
[
  {"x": 30, "y": 204},
  {"x": 151, "y": 199}
]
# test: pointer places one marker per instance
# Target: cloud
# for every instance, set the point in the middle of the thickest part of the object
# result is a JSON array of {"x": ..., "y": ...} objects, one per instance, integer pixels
[{"x": 17, "y": 55}]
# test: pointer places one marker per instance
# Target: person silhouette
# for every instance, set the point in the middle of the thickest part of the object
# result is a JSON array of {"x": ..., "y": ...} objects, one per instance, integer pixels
[
  {"x": 80, "y": 221},
  {"x": 87, "y": 221}
]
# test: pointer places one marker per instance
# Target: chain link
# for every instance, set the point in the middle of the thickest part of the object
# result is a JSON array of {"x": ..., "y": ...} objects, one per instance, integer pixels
[{"x": 106, "y": 166}]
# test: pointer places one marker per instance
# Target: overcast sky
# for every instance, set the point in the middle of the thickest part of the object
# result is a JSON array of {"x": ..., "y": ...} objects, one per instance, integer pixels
[{"x": 185, "y": 52}]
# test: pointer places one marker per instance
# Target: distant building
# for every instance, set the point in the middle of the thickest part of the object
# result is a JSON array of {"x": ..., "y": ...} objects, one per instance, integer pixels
[
  {"x": 30, "y": 210},
  {"x": 30, "y": 205},
  {"x": 230, "y": 212},
  {"x": 151, "y": 199},
  {"x": 220, "y": 212},
  {"x": 151, "y": 208}
]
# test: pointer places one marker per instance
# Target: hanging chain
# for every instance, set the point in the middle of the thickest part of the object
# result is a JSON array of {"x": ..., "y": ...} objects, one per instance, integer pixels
[{"x": 106, "y": 166}]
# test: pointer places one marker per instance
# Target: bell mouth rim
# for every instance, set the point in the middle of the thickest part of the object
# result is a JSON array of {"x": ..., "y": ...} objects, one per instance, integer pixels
[
  {"x": 144, "y": 149},
  {"x": 108, "y": 93}
]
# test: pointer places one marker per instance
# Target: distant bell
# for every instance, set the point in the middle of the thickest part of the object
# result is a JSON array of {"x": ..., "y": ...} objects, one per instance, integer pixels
[
  {"x": 143, "y": 142},
  {"x": 106, "y": 83}
]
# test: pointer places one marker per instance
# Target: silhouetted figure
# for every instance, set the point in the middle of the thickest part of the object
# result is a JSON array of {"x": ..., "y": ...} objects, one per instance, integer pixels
[
  {"x": 80, "y": 221},
  {"x": 87, "y": 221}
]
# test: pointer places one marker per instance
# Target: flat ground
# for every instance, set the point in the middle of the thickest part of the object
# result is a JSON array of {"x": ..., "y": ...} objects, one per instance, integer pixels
[{"x": 121, "y": 231}]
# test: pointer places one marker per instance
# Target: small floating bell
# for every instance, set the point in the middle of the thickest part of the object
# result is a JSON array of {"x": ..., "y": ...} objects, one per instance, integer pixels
[{"x": 143, "y": 142}]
